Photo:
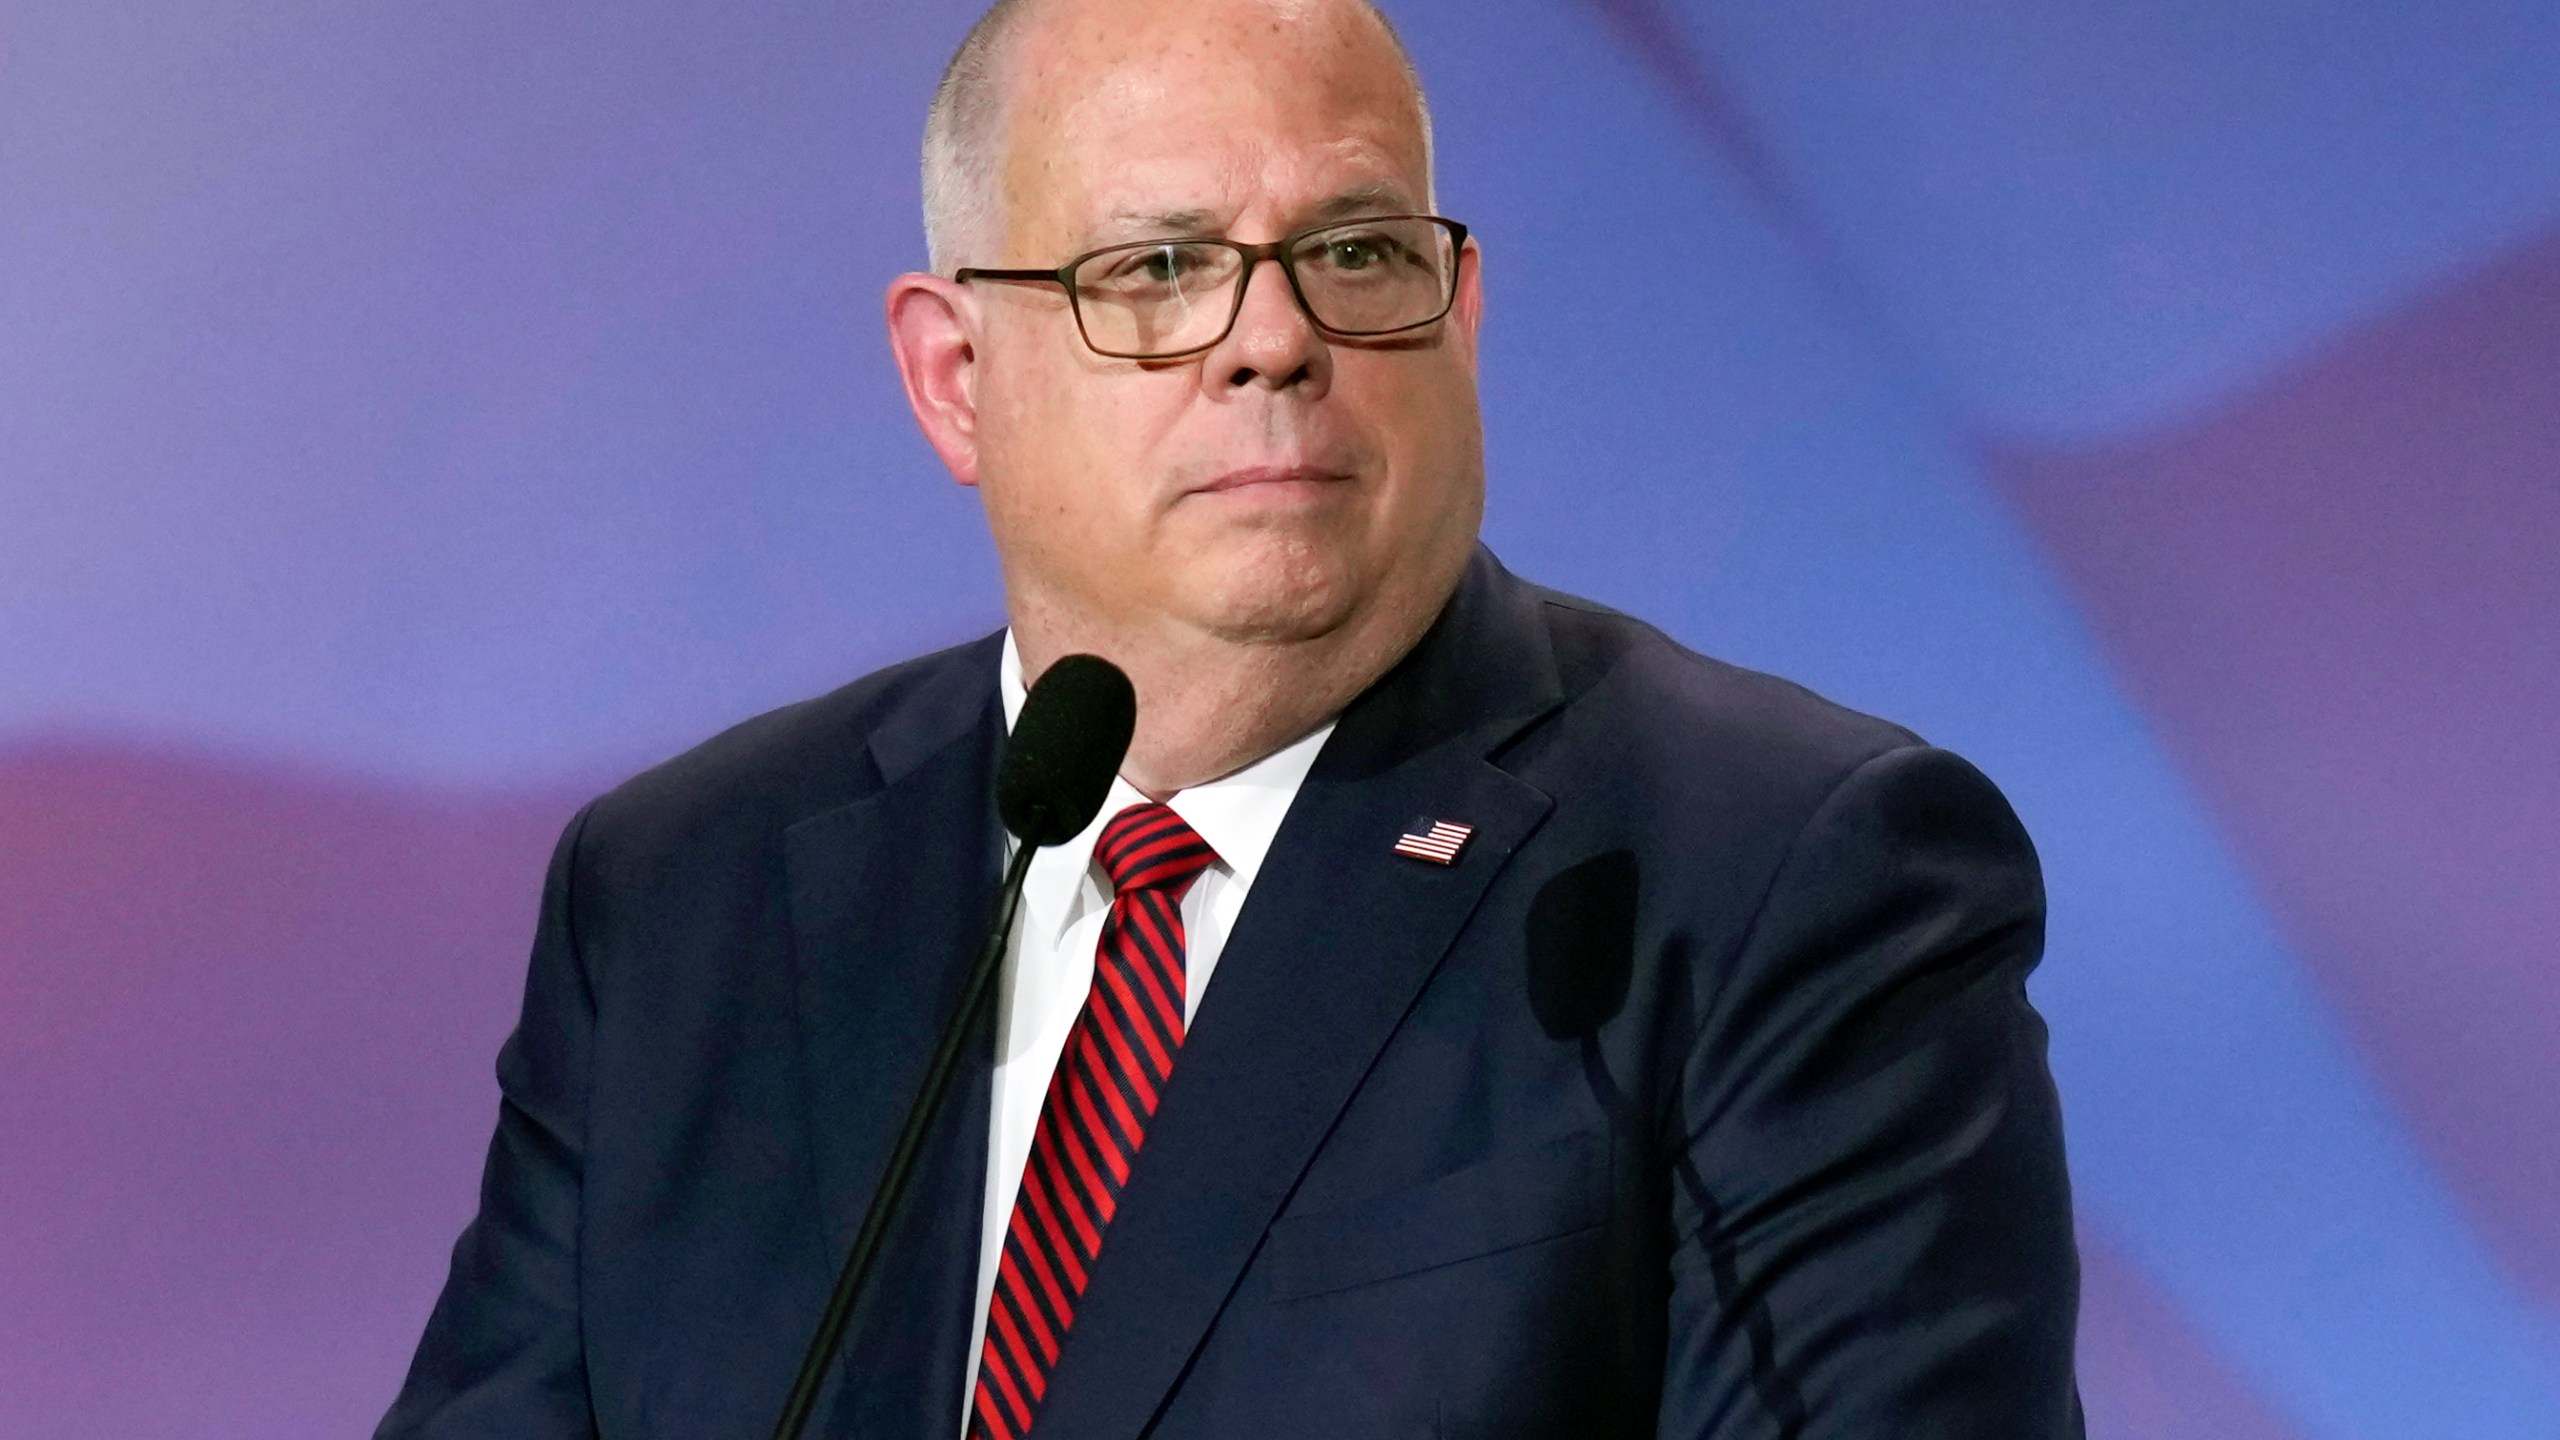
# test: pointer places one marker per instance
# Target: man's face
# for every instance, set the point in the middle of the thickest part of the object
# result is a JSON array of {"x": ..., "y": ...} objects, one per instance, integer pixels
[{"x": 1277, "y": 485}]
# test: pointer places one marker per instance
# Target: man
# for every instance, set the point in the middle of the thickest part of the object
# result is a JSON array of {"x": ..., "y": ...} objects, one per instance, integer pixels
[{"x": 1603, "y": 1041}]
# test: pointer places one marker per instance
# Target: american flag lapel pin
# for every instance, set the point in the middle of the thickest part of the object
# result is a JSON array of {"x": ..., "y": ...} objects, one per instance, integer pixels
[{"x": 1437, "y": 841}]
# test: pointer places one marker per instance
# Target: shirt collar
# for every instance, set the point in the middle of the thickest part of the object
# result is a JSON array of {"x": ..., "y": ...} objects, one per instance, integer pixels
[{"x": 1238, "y": 814}]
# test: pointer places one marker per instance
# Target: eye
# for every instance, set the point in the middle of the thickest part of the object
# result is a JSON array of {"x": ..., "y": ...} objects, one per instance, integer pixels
[
  {"x": 1155, "y": 265},
  {"x": 1356, "y": 252}
]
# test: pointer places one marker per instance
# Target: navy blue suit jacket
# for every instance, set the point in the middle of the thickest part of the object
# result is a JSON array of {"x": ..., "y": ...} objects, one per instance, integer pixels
[{"x": 1699, "y": 1097}]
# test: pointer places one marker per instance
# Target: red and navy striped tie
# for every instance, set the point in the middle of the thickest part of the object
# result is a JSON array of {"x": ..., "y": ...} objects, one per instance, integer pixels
[{"x": 1109, "y": 1077}]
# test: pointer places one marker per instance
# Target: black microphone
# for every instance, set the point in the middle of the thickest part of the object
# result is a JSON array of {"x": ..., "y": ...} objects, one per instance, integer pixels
[{"x": 1057, "y": 769}]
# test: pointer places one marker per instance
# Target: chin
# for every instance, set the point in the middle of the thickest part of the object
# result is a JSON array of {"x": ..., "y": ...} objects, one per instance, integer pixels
[{"x": 1276, "y": 592}]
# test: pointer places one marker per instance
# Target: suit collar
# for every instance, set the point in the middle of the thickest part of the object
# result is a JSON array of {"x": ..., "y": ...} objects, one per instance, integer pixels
[
  {"x": 1484, "y": 670},
  {"x": 952, "y": 701},
  {"x": 1482, "y": 673}
]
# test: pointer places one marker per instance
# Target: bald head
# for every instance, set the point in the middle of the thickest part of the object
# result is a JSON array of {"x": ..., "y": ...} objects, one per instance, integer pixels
[{"x": 967, "y": 130}]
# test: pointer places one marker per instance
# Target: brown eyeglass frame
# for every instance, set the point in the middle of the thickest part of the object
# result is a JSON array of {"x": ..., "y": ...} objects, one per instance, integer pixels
[{"x": 1277, "y": 250}]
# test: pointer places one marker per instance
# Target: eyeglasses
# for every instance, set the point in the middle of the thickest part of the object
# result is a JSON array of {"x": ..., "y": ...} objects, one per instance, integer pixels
[{"x": 1159, "y": 299}]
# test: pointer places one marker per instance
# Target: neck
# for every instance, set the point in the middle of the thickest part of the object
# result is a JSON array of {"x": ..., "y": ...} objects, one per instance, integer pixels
[{"x": 1208, "y": 706}]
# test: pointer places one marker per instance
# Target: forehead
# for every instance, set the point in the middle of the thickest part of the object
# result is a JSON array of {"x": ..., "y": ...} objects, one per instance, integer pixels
[{"x": 1126, "y": 114}]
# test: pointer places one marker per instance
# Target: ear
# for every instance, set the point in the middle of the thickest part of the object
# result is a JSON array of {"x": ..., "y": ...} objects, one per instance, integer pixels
[
  {"x": 933, "y": 333},
  {"x": 1466, "y": 309}
]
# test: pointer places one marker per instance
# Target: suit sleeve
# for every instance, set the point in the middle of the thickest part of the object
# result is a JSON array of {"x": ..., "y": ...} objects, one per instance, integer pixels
[
  {"x": 501, "y": 1355},
  {"x": 1873, "y": 1226}
]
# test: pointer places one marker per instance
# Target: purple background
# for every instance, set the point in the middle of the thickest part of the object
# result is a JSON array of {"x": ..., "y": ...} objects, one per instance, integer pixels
[{"x": 414, "y": 417}]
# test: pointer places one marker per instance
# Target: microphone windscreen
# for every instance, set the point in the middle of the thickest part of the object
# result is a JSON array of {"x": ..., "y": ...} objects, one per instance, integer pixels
[{"x": 1065, "y": 748}]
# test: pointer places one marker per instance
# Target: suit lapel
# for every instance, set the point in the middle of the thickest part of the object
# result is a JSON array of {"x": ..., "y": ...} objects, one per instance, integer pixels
[
  {"x": 889, "y": 897},
  {"x": 1331, "y": 950}
]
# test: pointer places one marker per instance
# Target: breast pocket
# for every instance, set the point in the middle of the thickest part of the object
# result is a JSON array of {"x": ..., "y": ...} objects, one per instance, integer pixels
[{"x": 1510, "y": 1199}]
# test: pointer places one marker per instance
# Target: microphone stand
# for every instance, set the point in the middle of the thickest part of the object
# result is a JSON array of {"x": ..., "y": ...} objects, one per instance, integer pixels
[{"x": 902, "y": 1158}]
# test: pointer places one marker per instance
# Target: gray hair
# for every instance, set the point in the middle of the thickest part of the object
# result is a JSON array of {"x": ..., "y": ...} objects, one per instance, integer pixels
[{"x": 964, "y": 134}]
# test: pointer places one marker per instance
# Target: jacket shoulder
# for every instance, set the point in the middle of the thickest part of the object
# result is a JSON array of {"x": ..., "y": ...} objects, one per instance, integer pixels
[
  {"x": 1664, "y": 751},
  {"x": 808, "y": 757},
  {"x": 1665, "y": 706}
]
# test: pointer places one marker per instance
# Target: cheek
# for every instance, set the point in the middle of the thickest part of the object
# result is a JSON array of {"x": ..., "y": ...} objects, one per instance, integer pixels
[
  {"x": 1061, "y": 403},
  {"x": 1427, "y": 426},
  {"x": 1127, "y": 424},
  {"x": 1071, "y": 458}
]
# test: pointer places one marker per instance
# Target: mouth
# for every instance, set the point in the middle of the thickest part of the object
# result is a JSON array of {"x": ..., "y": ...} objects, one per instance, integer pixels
[{"x": 1273, "y": 480}]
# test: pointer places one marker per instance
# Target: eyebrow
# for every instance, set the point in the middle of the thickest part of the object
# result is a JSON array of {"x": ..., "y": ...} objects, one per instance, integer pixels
[
  {"x": 1157, "y": 222},
  {"x": 1380, "y": 196}
]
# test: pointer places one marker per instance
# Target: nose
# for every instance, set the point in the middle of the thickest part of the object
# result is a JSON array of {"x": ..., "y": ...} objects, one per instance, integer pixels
[{"x": 1273, "y": 344}]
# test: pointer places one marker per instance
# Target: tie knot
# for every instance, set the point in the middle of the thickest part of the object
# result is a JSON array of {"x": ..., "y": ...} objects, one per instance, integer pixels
[{"x": 1147, "y": 847}]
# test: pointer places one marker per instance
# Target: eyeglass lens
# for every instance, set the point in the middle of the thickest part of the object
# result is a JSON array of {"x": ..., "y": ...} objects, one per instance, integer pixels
[{"x": 1360, "y": 277}]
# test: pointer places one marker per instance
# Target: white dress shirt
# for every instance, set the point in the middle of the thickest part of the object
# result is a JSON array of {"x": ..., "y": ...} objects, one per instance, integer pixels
[{"x": 1048, "y": 965}]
